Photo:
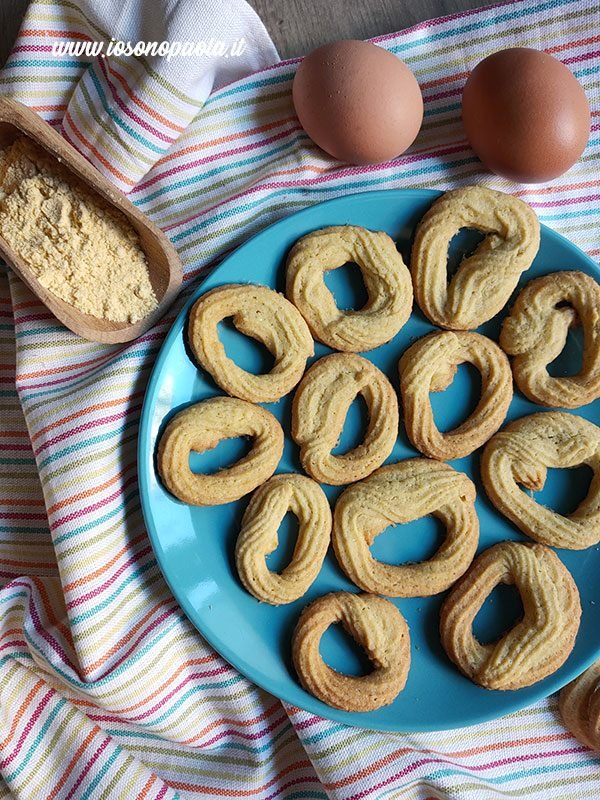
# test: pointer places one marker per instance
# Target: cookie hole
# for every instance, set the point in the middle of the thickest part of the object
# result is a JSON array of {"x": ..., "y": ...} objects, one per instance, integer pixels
[
  {"x": 462, "y": 245},
  {"x": 248, "y": 353},
  {"x": 457, "y": 402},
  {"x": 569, "y": 361},
  {"x": 415, "y": 541},
  {"x": 340, "y": 651},
  {"x": 287, "y": 536},
  {"x": 355, "y": 427},
  {"x": 565, "y": 489},
  {"x": 225, "y": 454},
  {"x": 502, "y": 609},
  {"x": 347, "y": 287}
]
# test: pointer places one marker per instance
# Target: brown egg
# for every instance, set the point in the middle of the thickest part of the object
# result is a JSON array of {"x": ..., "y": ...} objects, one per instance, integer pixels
[
  {"x": 525, "y": 115},
  {"x": 358, "y": 102}
]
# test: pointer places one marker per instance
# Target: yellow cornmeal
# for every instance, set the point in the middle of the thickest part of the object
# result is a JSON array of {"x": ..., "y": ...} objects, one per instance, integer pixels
[{"x": 79, "y": 248}]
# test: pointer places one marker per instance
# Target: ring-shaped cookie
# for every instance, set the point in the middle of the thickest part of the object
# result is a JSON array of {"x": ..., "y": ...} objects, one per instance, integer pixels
[
  {"x": 537, "y": 645},
  {"x": 258, "y": 537},
  {"x": 486, "y": 278},
  {"x": 535, "y": 333},
  {"x": 397, "y": 494},
  {"x": 579, "y": 705},
  {"x": 263, "y": 314},
  {"x": 320, "y": 407},
  {"x": 374, "y": 623},
  {"x": 201, "y": 427},
  {"x": 521, "y": 454},
  {"x": 429, "y": 365},
  {"x": 386, "y": 278}
]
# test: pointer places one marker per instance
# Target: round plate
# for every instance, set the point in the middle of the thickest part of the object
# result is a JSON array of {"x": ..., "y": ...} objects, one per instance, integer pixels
[{"x": 194, "y": 546}]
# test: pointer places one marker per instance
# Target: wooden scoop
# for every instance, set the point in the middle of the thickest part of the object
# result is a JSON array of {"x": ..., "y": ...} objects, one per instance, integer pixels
[{"x": 164, "y": 266}]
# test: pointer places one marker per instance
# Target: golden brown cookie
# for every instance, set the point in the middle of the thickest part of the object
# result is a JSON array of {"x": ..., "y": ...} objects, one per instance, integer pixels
[
  {"x": 520, "y": 455},
  {"x": 579, "y": 706},
  {"x": 264, "y": 315},
  {"x": 258, "y": 537},
  {"x": 535, "y": 333},
  {"x": 536, "y": 646},
  {"x": 485, "y": 280},
  {"x": 319, "y": 409},
  {"x": 400, "y": 493},
  {"x": 201, "y": 427},
  {"x": 429, "y": 365},
  {"x": 386, "y": 279},
  {"x": 375, "y": 624}
]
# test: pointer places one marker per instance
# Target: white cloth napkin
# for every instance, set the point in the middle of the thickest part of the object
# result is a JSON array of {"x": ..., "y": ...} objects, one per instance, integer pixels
[{"x": 181, "y": 21}]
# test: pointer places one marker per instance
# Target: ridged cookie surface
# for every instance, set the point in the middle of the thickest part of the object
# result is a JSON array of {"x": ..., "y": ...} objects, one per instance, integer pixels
[
  {"x": 536, "y": 646},
  {"x": 385, "y": 276},
  {"x": 535, "y": 333},
  {"x": 429, "y": 365},
  {"x": 264, "y": 315},
  {"x": 485, "y": 280},
  {"x": 375, "y": 624},
  {"x": 520, "y": 455},
  {"x": 579, "y": 706},
  {"x": 319, "y": 410},
  {"x": 258, "y": 537},
  {"x": 400, "y": 493},
  {"x": 201, "y": 427}
]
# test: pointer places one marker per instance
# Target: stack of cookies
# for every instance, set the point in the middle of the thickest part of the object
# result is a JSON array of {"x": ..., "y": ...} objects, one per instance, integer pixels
[{"x": 533, "y": 334}]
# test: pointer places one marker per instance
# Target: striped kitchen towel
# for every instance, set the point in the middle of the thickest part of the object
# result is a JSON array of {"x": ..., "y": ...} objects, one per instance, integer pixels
[{"x": 106, "y": 691}]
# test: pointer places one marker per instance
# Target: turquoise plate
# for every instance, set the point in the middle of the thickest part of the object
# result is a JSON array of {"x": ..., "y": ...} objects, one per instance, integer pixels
[{"x": 195, "y": 546}]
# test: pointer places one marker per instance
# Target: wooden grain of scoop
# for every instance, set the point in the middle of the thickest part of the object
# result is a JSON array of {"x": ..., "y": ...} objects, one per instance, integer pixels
[{"x": 162, "y": 262}]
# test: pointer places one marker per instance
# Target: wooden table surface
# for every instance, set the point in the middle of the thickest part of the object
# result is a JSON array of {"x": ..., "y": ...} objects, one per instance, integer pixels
[{"x": 297, "y": 26}]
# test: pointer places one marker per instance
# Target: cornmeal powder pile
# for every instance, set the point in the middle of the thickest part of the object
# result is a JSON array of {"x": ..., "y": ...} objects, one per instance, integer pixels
[{"x": 79, "y": 248}]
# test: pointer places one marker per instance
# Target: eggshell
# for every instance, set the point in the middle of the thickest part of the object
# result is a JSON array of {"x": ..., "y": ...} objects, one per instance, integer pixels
[
  {"x": 525, "y": 115},
  {"x": 358, "y": 102}
]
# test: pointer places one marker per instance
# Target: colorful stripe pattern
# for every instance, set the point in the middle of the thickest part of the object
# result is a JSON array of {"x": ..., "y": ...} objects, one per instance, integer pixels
[{"x": 105, "y": 689}]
